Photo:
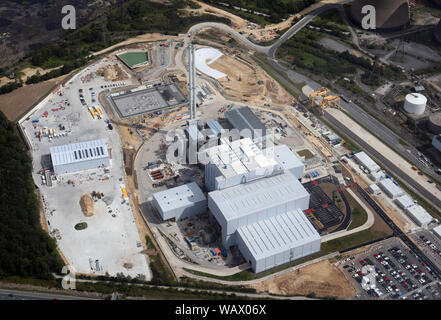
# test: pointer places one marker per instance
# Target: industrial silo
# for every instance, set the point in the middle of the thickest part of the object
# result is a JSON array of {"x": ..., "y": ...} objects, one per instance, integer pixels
[
  {"x": 390, "y": 14},
  {"x": 434, "y": 124},
  {"x": 415, "y": 103}
]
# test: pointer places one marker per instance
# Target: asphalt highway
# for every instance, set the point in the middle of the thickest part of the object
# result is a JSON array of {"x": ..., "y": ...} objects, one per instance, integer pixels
[
  {"x": 9, "y": 294},
  {"x": 385, "y": 161}
]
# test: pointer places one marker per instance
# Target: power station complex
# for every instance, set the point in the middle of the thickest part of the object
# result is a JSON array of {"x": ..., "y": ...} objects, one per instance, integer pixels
[{"x": 257, "y": 199}]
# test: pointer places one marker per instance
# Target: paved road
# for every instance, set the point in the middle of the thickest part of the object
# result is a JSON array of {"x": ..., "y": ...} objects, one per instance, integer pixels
[
  {"x": 300, "y": 25},
  {"x": 385, "y": 161},
  {"x": 9, "y": 294},
  {"x": 377, "y": 128}
]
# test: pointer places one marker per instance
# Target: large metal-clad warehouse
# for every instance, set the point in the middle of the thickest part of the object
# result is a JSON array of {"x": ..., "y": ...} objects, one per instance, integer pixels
[
  {"x": 277, "y": 240},
  {"x": 252, "y": 202},
  {"x": 79, "y": 156}
]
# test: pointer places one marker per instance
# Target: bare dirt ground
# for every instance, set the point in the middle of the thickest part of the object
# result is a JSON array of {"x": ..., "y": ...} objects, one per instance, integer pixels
[
  {"x": 242, "y": 81},
  {"x": 16, "y": 103},
  {"x": 141, "y": 38},
  {"x": 322, "y": 278},
  {"x": 112, "y": 73},
  {"x": 29, "y": 72}
]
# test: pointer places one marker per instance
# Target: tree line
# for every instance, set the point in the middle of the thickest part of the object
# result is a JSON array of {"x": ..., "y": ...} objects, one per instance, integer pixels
[{"x": 26, "y": 250}]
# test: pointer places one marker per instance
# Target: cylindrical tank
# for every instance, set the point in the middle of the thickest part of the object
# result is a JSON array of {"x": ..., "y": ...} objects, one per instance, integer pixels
[
  {"x": 390, "y": 14},
  {"x": 434, "y": 124},
  {"x": 415, "y": 103}
]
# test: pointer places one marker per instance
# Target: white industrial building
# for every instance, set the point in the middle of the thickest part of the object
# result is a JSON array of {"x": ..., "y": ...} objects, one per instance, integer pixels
[
  {"x": 286, "y": 159},
  {"x": 363, "y": 159},
  {"x": 252, "y": 202},
  {"x": 180, "y": 202},
  {"x": 258, "y": 201},
  {"x": 234, "y": 162},
  {"x": 391, "y": 189},
  {"x": 79, "y": 156},
  {"x": 377, "y": 176},
  {"x": 419, "y": 215},
  {"x": 404, "y": 202},
  {"x": 374, "y": 189},
  {"x": 437, "y": 231},
  {"x": 277, "y": 240}
]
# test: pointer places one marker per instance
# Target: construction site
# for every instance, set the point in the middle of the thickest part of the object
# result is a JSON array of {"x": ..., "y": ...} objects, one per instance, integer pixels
[{"x": 189, "y": 141}]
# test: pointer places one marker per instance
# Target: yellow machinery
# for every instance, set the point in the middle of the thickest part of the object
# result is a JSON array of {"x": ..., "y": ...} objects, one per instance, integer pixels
[
  {"x": 327, "y": 101},
  {"x": 330, "y": 101},
  {"x": 124, "y": 192},
  {"x": 321, "y": 92},
  {"x": 98, "y": 110},
  {"x": 92, "y": 112}
]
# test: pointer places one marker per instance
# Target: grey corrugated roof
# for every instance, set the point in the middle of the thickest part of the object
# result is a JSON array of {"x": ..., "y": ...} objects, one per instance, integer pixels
[
  {"x": 243, "y": 118},
  {"x": 179, "y": 197},
  {"x": 390, "y": 186},
  {"x": 419, "y": 214},
  {"x": 247, "y": 198},
  {"x": 77, "y": 152},
  {"x": 277, "y": 234}
]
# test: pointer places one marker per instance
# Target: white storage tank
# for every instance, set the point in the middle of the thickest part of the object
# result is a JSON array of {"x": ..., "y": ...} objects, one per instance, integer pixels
[{"x": 415, "y": 103}]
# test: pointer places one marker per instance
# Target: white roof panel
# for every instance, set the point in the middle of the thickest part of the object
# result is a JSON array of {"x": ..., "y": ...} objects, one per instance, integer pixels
[
  {"x": 277, "y": 234},
  {"x": 179, "y": 197},
  {"x": 239, "y": 157},
  {"x": 247, "y": 198},
  {"x": 405, "y": 201},
  {"x": 367, "y": 161},
  {"x": 77, "y": 152},
  {"x": 389, "y": 185},
  {"x": 284, "y": 156},
  {"x": 419, "y": 214}
]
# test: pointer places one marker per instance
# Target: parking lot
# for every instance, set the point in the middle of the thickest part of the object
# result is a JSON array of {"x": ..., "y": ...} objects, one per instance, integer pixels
[
  {"x": 430, "y": 244},
  {"x": 396, "y": 273}
]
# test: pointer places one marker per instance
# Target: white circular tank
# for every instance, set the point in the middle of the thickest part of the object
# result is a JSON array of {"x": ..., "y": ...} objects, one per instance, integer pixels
[{"x": 415, "y": 103}]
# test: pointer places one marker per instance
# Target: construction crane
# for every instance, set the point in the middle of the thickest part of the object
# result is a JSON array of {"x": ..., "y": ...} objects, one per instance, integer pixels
[
  {"x": 330, "y": 101},
  {"x": 321, "y": 92}
]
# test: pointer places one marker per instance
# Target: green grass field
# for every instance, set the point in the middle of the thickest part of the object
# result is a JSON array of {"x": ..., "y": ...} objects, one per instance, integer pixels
[{"x": 133, "y": 58}]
